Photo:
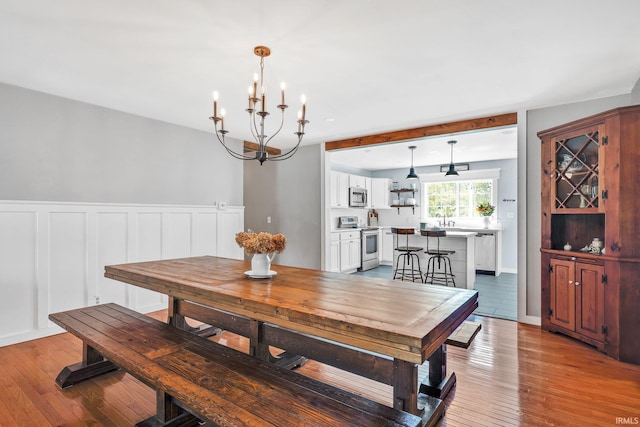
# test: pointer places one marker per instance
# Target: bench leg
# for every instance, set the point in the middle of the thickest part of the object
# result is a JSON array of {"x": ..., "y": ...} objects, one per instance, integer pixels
[
  {"x": 169, "y": 414},
  {"x": 437, "y": 384},
  {"x": 92, "y": 365}
]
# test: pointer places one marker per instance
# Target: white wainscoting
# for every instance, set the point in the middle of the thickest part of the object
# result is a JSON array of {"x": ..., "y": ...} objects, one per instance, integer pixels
[{"x": 52, "y": 255}]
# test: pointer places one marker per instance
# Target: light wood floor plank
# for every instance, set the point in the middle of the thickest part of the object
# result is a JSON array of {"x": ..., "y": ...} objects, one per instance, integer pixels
[{"x": 511, "y": 375}]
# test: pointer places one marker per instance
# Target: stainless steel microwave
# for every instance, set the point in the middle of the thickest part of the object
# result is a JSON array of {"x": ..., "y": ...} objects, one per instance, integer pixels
[{"x": 357, "y": 197}]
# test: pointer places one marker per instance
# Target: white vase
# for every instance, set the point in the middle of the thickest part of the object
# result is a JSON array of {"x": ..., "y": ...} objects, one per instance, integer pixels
[
  {"x": 486, "y": 221},
  {"x": 261, "y": 263}
]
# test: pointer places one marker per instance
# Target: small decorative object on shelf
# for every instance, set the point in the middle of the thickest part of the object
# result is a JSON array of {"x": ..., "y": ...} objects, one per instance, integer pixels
[
  {"x": 567, "y": 247},
  {"x": 264, "y": 247}
]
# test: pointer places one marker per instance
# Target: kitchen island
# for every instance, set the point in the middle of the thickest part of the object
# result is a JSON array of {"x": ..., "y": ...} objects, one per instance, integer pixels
[{"x": 462, "y": 261}]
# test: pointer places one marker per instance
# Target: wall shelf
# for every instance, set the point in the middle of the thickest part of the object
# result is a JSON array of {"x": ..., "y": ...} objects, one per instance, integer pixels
[{"x": 404, "y": 190}]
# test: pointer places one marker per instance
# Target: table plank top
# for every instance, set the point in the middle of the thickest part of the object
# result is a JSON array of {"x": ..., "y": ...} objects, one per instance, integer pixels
[{"x": 404, "y": 320}]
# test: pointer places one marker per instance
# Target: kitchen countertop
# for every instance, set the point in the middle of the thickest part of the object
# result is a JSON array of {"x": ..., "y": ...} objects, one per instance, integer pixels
[
  {"x": 450, "y": 232},
  {"x": 455, "y": 229}
]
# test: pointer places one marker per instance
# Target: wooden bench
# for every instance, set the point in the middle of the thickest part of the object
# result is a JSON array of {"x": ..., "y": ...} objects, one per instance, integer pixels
[
  {"x": 197, "y": 379},
  {"x": 464, "y": 334}
]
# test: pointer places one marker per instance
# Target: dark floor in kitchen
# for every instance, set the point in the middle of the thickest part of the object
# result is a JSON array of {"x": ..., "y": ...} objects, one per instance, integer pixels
[{"x": 497, "y": 295}]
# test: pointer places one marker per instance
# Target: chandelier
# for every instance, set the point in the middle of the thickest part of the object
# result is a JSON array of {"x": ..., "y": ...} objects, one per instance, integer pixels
[{"x": 257, "y": 114}]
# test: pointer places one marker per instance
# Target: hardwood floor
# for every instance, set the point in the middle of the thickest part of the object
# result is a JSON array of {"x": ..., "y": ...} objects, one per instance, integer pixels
[{"x": 512, "y": 375}]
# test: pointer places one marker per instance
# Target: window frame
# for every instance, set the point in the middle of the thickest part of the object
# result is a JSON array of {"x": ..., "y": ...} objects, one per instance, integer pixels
[{"x": 475, "y": 175}]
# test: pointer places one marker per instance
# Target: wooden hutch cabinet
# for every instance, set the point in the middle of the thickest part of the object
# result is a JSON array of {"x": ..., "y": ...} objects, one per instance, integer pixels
[{"x": 591, "y": 189}]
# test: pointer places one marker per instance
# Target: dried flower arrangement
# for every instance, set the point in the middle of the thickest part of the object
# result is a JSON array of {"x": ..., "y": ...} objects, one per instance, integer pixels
[
  {"x": 261, "y": 243},
  {"x": 485, "y": 209}
]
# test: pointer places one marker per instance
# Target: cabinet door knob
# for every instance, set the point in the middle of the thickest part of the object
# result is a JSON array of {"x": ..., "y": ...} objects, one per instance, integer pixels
[
  {"x": 571, "y": 282},
  {"x": 577, "y": 283}
]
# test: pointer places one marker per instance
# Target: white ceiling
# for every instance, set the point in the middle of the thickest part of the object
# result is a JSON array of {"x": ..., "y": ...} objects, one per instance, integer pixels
[{"x": 365, "y": 66}]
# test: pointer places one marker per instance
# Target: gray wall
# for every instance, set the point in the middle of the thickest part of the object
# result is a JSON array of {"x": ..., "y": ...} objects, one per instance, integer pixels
[
  {"x": 635, "y": 94},
  {"x": 57, "y": 149},
  {"x": 538, "y": 120},
  {"x": 289, "y": 192}
]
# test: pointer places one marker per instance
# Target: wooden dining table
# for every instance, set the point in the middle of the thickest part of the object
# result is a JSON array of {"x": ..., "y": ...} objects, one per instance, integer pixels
[{"x": 381, "y": 329}]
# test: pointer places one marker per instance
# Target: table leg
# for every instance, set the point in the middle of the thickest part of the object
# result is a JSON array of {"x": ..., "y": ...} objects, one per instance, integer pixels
[
  {"x": 405, "y": 386},
  {"x": 437, "y": 384},
  {"x": 258, "y": 348},
  {"x": 173, "y": 313}
]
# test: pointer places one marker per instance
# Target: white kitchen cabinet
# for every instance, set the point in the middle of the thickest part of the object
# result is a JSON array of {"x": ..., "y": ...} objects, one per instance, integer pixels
[
  {"x": 357, "y": 181},
  {"x": 368, "y": 183},
  {"x": 350, "y": 245},
  {"x": 339, "y": 192},
  {"x": 334, "y": 253},
  {"x": 386, "y": 252},
  {"x": 379, "y": 194}
]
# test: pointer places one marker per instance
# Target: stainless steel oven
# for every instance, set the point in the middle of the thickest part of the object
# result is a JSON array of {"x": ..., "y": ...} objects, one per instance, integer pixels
[{"x": 369, "y": 253}]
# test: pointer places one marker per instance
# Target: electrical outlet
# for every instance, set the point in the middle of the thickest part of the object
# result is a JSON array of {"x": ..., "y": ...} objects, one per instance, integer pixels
[
  {"x": 268, "y": 220},
  {"x": 222, "y": 205},
  {"x": 97, "y": 300}
]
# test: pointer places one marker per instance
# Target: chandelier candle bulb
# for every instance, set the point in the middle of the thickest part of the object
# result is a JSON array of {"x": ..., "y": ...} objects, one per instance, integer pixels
[
  {"x": 255, "y": 84},
  {"x": 282, "y": 87},
  {"x": 215, "y": 103},
  {"x": 263, "y": 98},
  {"x": 303, "y": 99},
  {"x": 222, "y": 113}
]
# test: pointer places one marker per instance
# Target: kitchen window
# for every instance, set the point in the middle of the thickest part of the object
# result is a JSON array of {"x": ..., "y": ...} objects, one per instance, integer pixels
[{"x": 458, "y": 197}]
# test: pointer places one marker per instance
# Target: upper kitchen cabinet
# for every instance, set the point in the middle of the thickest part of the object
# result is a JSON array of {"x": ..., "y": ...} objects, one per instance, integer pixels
[
  {"x": 339, "y": 193},
  {"x": 357, "y": 181},
  {"x": 379, "y": 194},
  {"x": 590, "y": 179}
]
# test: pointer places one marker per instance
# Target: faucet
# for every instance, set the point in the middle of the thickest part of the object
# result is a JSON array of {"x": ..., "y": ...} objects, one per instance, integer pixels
[{"x": 443, "y": 223}]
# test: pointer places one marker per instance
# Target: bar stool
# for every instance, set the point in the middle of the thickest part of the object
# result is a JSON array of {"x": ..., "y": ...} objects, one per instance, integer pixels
[
  {"x": 408, "y": 255},
  {"x": 441, "y": 276}
]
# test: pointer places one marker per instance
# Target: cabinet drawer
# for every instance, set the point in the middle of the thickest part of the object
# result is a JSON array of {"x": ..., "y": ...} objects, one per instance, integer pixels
[{"x": 349, "y": 235}]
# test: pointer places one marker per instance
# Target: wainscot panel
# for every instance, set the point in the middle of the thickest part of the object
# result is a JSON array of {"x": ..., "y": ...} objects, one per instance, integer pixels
[{"x": 52, "y": 255}]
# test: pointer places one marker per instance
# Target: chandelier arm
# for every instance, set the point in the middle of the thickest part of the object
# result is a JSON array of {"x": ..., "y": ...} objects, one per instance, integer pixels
[
  {"x": 253, "y": 126},
  {"x": 289, "y": 153},
  {"x": 278, "y": 131},
  {"x": 230, "y": 151},
  {"x": 285, "y": 156}
]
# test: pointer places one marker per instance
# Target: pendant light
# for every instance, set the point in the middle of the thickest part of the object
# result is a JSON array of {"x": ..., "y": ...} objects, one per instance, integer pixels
[
  {"x": 452, "y": 168},
  {"x": 412, "y": 171}
]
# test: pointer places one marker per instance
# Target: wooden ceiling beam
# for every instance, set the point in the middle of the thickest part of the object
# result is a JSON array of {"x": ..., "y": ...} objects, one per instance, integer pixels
[
  {"x": 421, "y": 132},
  {"x": 252, "y": 146}
]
